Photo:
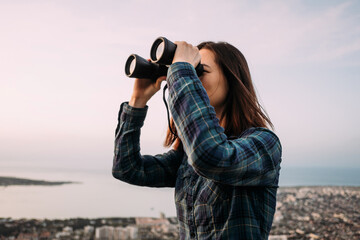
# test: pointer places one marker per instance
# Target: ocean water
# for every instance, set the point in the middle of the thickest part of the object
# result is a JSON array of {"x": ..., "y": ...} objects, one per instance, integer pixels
[
  {"x": 100, "y": 195},
  {"x": 319, "y": 176}
]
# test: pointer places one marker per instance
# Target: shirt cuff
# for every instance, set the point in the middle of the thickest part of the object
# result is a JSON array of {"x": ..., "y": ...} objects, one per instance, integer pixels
[
  {"x": 132, "y": 114},
  {"x": 179, "y": 69}
]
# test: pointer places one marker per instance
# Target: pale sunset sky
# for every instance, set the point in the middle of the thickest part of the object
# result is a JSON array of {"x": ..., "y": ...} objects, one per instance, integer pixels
[{"x": 62, "y": 74}]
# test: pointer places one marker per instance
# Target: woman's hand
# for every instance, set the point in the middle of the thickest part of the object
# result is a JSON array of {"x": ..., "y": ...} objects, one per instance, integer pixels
[
  {"x": 186, "y": 52},
  {"x": 143, "y": 90}
]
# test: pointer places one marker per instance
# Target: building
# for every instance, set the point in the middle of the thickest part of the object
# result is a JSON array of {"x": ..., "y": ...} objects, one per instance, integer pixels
[{"x": 104, "y": 233}]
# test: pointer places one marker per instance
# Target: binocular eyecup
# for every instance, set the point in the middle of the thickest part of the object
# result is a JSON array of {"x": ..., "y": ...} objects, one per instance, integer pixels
[
  {"x": 162, "y": 51},
  {"x": 162, "y": 54}
]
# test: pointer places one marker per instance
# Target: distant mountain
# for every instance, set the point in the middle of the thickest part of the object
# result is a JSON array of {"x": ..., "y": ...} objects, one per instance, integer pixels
[{"x": 8, "y": 181}]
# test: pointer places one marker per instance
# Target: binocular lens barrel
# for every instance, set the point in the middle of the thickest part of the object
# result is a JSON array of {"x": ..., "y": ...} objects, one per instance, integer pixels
[
  {"x": 162, "y": 53},
  {"x": 138, "y": 67}
]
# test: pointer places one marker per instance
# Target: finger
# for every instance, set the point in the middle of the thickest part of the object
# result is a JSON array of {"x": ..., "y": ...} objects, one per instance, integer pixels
[
  {"x": 182, "y": 44},
  {"x": 162, "y": 78},
  {"x": 197, "y": 58},
  {"x": 159, "y": 80}
]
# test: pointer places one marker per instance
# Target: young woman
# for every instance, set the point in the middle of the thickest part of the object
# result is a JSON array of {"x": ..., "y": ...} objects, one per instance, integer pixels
[{"x": 225, "y": 161}]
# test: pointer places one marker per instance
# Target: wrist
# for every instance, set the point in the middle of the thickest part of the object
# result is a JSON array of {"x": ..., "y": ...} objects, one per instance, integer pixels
[{"x": 137, "y": 102}]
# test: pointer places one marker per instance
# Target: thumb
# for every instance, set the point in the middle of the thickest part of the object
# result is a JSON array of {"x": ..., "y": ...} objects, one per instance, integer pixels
[{"x": 159, "y": 81}]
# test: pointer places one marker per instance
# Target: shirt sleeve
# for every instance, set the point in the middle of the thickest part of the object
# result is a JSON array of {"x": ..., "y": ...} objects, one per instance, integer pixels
[
  {"x": 132, "y": 167},
  {"x": 250, "y": 160}
]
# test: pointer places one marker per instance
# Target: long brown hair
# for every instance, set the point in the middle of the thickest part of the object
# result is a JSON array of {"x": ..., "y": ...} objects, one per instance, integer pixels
[{"x": 242, "y": 109}]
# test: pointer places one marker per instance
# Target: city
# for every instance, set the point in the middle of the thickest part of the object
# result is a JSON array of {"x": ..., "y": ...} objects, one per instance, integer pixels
[{"x": 302, "y": 213}]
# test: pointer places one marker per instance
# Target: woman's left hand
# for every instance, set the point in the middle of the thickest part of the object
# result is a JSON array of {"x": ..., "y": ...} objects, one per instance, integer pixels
[{"x": 186, "y": 52}]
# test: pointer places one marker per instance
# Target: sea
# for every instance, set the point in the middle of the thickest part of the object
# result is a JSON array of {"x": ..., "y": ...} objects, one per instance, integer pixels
[{"x": 96, "y": 194}]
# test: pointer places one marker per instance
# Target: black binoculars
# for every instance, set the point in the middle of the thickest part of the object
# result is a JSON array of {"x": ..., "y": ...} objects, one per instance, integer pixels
[{"x": 162, "y": 53}]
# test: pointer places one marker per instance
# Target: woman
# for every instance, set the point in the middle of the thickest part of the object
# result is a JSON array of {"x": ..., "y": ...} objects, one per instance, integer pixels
[{"x": 225, "y": 162}]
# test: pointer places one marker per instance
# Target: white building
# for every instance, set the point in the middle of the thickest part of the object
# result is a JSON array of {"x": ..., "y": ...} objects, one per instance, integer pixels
[
  {"x": 133, "y": 231},
  {"x": 121, "y": 233},
  {"x": 68, "y": 229},
  {"x": 116, "y": 233},
  {"x": 88, "y": 230},
  {"x": 278, "y": 237},
  {"x": 104, "y": 233}
]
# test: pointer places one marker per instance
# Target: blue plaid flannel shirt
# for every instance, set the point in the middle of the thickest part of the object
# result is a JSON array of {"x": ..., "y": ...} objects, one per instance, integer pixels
[{"x": 224, "y": 188}]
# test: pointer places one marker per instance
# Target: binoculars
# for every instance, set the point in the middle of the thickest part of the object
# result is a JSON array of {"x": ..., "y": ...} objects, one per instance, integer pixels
[{"x": 162, "y": 53}]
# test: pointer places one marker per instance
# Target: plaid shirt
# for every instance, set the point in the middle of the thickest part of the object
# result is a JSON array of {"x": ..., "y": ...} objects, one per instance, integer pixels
[{"x": 224, "y": 188}]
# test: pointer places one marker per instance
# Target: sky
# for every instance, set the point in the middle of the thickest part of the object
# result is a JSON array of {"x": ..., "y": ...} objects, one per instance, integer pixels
[{"x": 62, "y": 74}]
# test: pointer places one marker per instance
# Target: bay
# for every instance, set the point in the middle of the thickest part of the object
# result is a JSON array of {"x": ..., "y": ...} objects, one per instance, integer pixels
[{"x": 100, "y": 195}]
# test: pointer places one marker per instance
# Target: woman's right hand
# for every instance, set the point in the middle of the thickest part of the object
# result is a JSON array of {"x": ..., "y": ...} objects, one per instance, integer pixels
[{"x": 143, "y": 90}]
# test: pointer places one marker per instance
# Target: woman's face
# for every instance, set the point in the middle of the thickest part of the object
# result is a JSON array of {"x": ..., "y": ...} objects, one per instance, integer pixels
[{"x": 213, "y": 81}]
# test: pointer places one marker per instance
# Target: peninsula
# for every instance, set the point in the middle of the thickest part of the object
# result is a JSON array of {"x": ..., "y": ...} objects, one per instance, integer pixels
[{"x": 9, "y": 181}]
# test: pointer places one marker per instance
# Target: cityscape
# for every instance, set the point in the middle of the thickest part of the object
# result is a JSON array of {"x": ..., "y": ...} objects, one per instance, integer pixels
[{"x": 302, "y": 213}]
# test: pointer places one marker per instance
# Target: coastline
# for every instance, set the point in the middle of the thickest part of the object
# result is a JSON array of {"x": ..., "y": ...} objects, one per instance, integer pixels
[
  {"x": 15, "y": 181},
  {"x": 302, "y": 212}
]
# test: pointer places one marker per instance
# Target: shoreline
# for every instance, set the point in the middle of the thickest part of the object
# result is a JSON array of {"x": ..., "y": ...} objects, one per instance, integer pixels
[
  {"x": 301, "y": 191},
  {"x": 6, "y": 181}
]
